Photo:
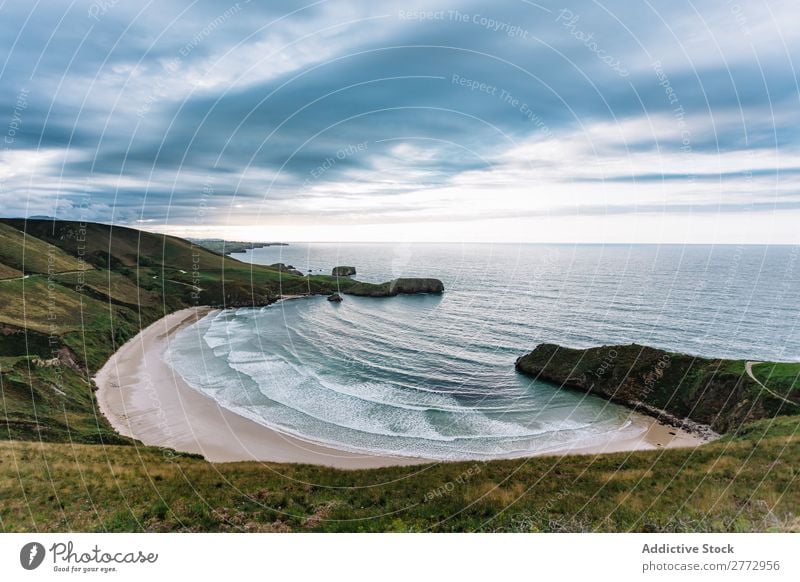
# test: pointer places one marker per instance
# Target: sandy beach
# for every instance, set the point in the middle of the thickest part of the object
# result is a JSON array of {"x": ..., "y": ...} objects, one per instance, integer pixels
[{"x": 145, "y": 399}]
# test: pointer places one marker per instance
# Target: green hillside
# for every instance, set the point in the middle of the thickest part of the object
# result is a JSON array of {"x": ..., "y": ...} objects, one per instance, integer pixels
[
  {"x": 31, "y": 255},
  {"x": 714, "y": 392},
  {"x": 7, "y": 272},
  {"x": 743, "y": 482},
  {"x": 109, "y": 246}
]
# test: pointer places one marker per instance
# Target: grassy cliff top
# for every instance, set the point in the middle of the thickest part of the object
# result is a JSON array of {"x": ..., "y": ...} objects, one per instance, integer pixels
[{"x": 716, "y": 392}]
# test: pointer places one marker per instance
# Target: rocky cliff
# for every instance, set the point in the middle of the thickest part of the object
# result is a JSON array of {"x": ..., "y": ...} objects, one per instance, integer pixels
[
  {"x": 671, "y": 386},
  {"x": 402, "y": 286}
]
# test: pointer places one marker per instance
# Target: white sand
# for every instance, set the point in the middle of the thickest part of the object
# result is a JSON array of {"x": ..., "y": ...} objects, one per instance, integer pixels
[{"x": 145, "y": 399}]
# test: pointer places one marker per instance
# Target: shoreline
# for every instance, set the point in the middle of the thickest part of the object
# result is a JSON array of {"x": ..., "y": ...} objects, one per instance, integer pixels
[{"x": 143, "y": 398}]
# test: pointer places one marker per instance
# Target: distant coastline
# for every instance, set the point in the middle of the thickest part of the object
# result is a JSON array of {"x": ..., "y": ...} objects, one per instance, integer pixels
[{"x": 227, "y": 247}]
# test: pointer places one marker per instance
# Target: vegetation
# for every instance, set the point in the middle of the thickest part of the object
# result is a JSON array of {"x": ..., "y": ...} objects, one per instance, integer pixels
[
  {"x": 30, "y": 255},
  {"x": 7, "y": 272},
  {"x": 62, "y": 467},
  {"x": 782, "y": 378},
  {"x": 717, "y": 392},
  {"x": 746, "y": 481}
]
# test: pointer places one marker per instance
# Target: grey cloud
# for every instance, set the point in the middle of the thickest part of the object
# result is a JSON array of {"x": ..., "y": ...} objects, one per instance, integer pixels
[{"x": 538, "y": 74}]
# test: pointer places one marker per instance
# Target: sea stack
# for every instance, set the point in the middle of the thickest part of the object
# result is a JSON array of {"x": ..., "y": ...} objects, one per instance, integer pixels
[{"x": 343, "y": 271}]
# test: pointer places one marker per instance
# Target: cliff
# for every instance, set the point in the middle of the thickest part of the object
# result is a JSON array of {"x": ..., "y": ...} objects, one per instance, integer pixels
[
  {"x": 343, "y": 271},
  {"x": 402, "y": 286},
  {"x": 673, "y": 387}
]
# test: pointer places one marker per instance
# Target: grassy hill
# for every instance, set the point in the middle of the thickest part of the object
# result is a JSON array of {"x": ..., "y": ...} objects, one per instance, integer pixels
[
  {"x": 713, "y": 392},
  {"x": 26, "y": 254},
  {"x": 746, "y": 481},
  {"x": 7, "y": 272},
  {"x": 62, "y": 467}
]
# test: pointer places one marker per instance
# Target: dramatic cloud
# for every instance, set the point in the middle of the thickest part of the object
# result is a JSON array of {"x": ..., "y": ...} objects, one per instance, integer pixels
[{"x": 578, "y": 120}]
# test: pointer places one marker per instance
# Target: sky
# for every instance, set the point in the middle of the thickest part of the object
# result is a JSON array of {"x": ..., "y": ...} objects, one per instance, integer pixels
[{"x": 514, "y": 121}]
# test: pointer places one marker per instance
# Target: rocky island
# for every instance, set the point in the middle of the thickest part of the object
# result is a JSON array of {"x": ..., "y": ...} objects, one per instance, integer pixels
[
  {"x": 343, "y": 271},
  {"x": 679, "y": 389}
]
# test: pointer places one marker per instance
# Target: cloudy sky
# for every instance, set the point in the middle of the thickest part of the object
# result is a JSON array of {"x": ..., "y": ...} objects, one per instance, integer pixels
[{"x": 615, "y": 121}]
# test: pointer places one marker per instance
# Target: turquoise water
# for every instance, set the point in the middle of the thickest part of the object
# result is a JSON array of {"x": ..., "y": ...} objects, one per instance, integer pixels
[{"x": 433, "y": 376}]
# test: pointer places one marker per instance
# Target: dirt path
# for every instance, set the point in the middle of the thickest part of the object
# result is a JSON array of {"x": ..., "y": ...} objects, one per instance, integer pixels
[
  {"x": 748, "y": 367},
  {"x": 30, "y": 275},
  {"x": 16, "y": 278}
]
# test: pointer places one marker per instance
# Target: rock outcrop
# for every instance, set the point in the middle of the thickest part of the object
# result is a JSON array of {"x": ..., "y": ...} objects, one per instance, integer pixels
[
  {"x": 343, "y": 271},
  {"x": 401, "y": 286},
  {"x": 676, "y": 388},
  {"x": 335, "y": 297}
]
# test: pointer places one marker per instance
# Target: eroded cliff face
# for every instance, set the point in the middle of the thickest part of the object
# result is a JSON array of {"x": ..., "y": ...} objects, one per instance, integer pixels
[
  {"x": 673, "y": 387},
  {"x": 402, "y": 286},
  {"x": 416, "y": 285}
]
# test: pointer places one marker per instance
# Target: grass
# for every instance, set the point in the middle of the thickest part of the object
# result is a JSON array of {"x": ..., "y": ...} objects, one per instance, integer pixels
[
  {"x": 109, "y": 286},
  {"x": 31, "y": 255},
  {"x": 744, "y": 482},
  {"x": 51, "y": 403},
  {"x": 715, "y": 392},
  {"x": 781, "y": 378},
  {"x": 36, "y": 304},
  {"x": 111, "y": 247},
  {"x": 7, "y": 272}
]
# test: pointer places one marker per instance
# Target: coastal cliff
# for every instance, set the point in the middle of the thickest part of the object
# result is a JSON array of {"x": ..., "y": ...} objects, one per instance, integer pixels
[
  {"x": 676, "y": 388},
  {"x": 402, "y": 286}
]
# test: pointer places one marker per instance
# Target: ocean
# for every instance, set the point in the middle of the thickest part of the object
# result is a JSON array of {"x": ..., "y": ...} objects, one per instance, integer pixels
[{"x": 433, "y": 376}]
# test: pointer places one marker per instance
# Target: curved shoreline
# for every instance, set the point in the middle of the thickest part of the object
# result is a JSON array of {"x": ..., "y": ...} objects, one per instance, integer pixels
[{"x": 143, "y": 398}]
